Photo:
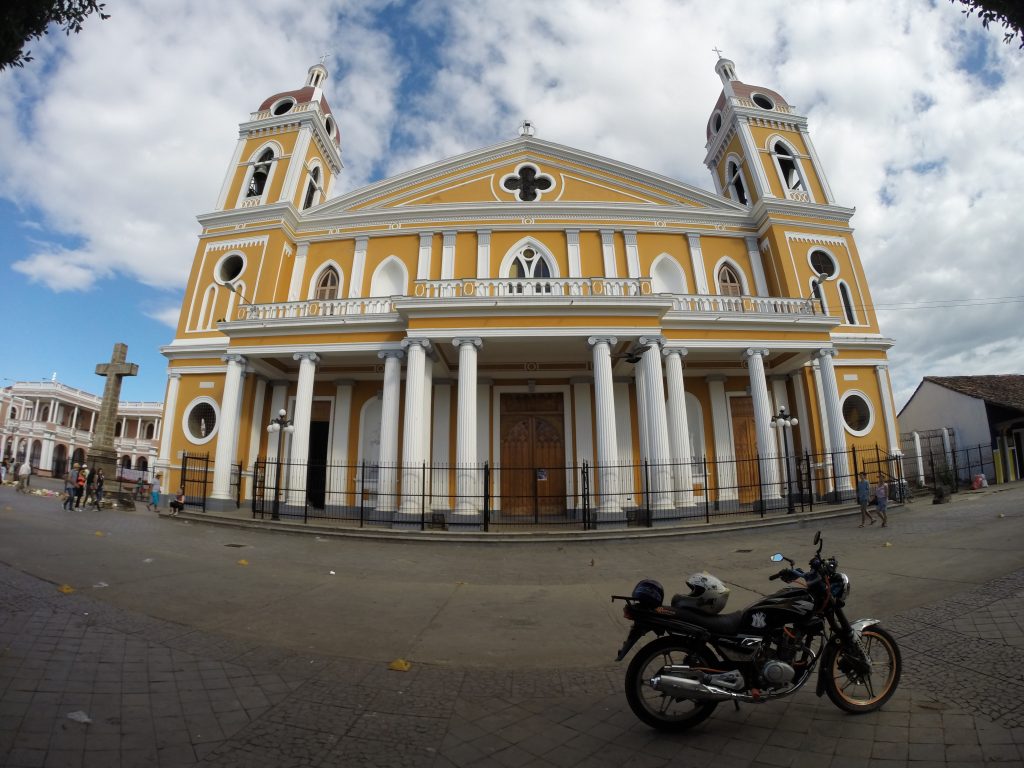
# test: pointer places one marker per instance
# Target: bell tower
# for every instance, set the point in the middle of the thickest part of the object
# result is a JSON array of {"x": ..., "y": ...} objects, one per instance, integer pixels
[
  {"x": 758, "y": 148},
  {"x": 288, "y": 151}
]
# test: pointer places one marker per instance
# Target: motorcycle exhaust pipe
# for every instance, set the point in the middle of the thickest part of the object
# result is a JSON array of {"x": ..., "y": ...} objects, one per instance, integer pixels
[{"x": 692, "y": 688}]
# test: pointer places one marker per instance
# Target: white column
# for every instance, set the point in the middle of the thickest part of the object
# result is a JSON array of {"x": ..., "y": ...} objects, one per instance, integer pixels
[
  {"x": 298, "y": 272},
  {"x": 762, "y": 421},
  {"x": 170, "y": 414},
  {"x": 483, "y": 254},
  {"x": 442, "y": 412},
  {"x": 423, "y": 260},
  {"x": 947, "y": 448},
  {"x": 387, "y": 477},
  {"x": 608, "y": 253},
  {"x": 754, "y": 254},
  {"x": 466, "y": 470},
  {"x": 338, "y": 479},
  {"x": 610, "y": 505},
  {"x": 920, "y": 459},
  {"x": 355, "y": 282},
  {"x": 448, "y": 256},
  {"x": 888, "y": 411},
  {"x": 299, "y": 457},
  {"x": 583, "y": 420},
  {"x": 816, "y": 164},
  {"x": 785, "y": 445},
  {"x": 642, "y": 421},
  {"x": 92, "y": 420},
  {"x": 659, "y": 468},
  {"x": 228, "y": 427},
  {"x": 836, "y": 429},
  {"x": 256, "y": 428},
  {"x": 725, "y": 462},
  {"x": 753, "y": 159},
  {"x": 278, "y": 403},
  {"x": 428, "y": 404},
  {"x": 802, "y": 412},
  {"x": 678, "y": 428},
  {"x": 572, "y": 239},
  {"x": 825, "y": 469},
  {"x": 700, "y": 275},
  {"x": 412, "y": 434},
  {"x": 632, "y": 253}
]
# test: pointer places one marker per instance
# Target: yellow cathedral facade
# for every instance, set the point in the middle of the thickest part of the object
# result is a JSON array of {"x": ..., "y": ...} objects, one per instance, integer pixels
[{"x": 527, "y": 330}]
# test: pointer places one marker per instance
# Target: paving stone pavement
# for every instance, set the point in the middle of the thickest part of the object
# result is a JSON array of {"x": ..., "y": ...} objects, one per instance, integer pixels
[{"x": 162, "y": 694}]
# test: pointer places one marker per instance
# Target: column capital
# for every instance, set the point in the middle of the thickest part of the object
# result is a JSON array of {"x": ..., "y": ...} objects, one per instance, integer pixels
[
  {"x": 826, "y": 352},
  {"x": 476, "y": 341},
  {"x": 881, "y": 367},
  {"x": 755, "y": 352},
  {"x": 651, "y": 341},
  {"x": 681, "y": 351},
  {"x": 609, "y": 340},
  {"x": 174, "y": 374},
  {"x": 416, "y": 342},
  {"x": 715, "y": 377},
  {"x": 313, "y": 357},
  {"x": 232, "y": 358},
  {"x": 344, "y": 382},
  {"x": 384, "y": 354}
]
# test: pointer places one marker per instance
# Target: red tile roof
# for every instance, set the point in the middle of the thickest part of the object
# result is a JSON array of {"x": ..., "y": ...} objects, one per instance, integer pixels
[{"x": 1005, "y": 389}]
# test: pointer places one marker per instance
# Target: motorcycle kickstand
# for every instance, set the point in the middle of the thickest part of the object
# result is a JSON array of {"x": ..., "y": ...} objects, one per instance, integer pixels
[{"x": 736, "y": 703}]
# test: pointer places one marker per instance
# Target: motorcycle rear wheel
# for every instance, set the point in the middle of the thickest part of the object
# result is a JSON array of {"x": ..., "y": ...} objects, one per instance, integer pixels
[
  {"x": 859, "y": 694},
  {"x": 657, "y": 709}
]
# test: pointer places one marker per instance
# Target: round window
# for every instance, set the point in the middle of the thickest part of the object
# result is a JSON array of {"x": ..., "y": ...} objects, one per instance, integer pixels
[
  {"x": 822, "y": 263},
  {"x": 856, "y": 413},
  {"x": 283, "y": 107},
  {"x": 762, "y": 101},
  {"x": 230, "y": 267},
  {"x": 716, "y": 122},
  {"x": 331, "y": 127},
  {"x": 200, "y": 420}
]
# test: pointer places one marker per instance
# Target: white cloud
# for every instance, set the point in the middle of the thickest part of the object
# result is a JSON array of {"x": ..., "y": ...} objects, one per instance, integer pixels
[{"x": 123, "y": 137}]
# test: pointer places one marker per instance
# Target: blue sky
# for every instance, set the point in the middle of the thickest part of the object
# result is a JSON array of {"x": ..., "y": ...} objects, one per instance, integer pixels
[{"x": 115, "y": 139}]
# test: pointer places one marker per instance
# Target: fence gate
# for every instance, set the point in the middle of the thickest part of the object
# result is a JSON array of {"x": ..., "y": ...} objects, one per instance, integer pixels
[{"x": 195, "y": 469}]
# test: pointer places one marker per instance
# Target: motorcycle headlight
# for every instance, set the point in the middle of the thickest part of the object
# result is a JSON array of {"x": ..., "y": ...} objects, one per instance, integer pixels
[{"x": 840, "y": 586}]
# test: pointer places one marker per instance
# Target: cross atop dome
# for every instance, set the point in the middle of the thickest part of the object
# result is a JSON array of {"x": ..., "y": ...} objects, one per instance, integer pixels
[{"x": 527, "y": 128}]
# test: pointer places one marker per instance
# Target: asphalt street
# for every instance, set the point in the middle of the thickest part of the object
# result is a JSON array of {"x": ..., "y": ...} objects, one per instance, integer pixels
[{"x": 185, "y": 643}]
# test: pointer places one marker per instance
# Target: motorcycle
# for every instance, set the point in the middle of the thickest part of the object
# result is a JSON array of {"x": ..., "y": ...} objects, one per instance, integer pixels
[{"x": 765, "y": 652}]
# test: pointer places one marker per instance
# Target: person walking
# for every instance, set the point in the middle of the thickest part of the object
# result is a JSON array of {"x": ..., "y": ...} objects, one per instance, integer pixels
[
  {"x": 24, "y": 472},
  {"x": 90, "y": 487},
  {"x": 154, "y": 494},
  {"x": 69, "y": 487},
  {"x": 3, "y": 471},
  {"x": 79, "y": 487},
  {"x": 863, "y": 497},
  {"x": 882, "y": 498},
  {"x": 97, "y": 488}
]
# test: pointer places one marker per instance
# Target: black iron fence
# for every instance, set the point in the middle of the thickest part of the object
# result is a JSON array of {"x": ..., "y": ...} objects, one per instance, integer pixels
[
  {"x": 574, "y": 497},
  {"x": 953, "y": 468}
]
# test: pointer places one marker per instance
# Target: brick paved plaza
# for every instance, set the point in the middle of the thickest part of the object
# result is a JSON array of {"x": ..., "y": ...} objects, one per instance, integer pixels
[{"x": 185, "y": 644}]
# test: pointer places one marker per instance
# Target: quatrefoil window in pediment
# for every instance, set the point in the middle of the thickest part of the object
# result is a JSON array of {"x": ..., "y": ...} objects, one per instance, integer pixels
[{"x": 527, "y": 183}]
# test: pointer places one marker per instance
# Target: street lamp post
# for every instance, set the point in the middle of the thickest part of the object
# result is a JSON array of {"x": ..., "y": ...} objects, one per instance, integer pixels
[
  {"x": 785, "y": 423},
  {"x": 282, "y": 425}
]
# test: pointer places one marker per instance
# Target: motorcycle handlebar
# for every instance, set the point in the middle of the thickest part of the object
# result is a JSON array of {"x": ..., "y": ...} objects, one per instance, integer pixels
[{"x": 787, "y": 575}]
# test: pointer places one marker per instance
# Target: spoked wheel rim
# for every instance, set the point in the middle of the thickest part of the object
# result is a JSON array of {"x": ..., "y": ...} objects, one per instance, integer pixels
[
  {"x": 663, "y": 706},
  {"x": 865, "y": 690}
]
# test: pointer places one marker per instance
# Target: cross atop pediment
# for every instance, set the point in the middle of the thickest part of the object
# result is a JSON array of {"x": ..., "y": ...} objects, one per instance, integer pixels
[{"x": 118, "y": 366}]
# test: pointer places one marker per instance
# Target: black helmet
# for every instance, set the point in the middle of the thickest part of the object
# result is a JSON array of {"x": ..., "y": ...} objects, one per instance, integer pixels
[{"x": 649, "y": 593}]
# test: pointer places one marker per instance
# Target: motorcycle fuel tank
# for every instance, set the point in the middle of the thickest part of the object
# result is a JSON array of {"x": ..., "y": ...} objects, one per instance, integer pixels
[{"x": 793, "y": 604}]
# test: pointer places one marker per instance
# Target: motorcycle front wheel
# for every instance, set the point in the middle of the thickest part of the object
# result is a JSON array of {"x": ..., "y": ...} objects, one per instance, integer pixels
[
  {"x": 855, "y": 692},
  {"x": 660, "y": 710}
]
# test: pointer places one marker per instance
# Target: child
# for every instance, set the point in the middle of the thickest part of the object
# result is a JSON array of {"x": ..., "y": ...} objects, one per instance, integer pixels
[
  {"x": 882, "y": 497},
  {"x": 178, "y": 502}
]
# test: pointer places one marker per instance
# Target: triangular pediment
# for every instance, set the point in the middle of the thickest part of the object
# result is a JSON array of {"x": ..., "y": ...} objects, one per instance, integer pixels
[{"x": 525, "y": 170}]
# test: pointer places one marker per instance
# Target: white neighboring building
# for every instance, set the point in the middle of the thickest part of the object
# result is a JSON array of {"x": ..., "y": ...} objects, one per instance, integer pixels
[
  {"x": 972, "y": 411},
  {"x": 53, "y": 424}
]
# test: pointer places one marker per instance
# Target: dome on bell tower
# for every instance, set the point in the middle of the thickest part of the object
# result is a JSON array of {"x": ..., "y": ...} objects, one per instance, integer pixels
[{"x": 288, "y": 101}]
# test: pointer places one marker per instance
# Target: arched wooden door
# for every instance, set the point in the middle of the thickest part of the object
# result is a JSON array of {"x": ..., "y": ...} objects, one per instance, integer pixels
[
  {"x": 532, "y": 460},
  {"x": 744, "y": 440}
]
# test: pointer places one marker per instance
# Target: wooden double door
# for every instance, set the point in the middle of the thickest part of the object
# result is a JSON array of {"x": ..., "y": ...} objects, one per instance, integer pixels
[
  {"x": 744, "y": 440},
  {"x": 533, "y": 459}
]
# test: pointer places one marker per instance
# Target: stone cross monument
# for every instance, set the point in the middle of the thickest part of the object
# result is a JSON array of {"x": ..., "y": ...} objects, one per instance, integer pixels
[{"x": 102, "y": 455}]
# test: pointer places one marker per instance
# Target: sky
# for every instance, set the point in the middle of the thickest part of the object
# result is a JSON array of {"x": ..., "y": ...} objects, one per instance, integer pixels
[{"x": 115, "y": 139}]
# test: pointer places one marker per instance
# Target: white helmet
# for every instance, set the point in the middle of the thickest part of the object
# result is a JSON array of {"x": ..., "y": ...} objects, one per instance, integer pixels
[{"x": 707, "y": 594}]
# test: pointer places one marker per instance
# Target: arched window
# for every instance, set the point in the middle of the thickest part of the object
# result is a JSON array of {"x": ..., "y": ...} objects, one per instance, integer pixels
[
  {"x": 206, "y": 309},
  {"x": 311, "y": 188},
  {"x": 529, "y": 264},
  {"x": 729, "y": 282},
  {"x": 667, "y": 276},
  {"x": 126, "y": 462},
  {"x": 327, "y": 285},
  {"x": 260, "y": 173},
  {"x": 792, "y": 179},
  {"x": 844, "y": 295},
  {"x": 45, "y": 415},
  {"x": 735, "y": 184},
  {"x": 389, "y": 279},
  {"x": 150, "y": 431}
]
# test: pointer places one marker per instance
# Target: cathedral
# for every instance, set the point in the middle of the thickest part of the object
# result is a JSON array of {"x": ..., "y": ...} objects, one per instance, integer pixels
[{"x": 526, "y": 331}]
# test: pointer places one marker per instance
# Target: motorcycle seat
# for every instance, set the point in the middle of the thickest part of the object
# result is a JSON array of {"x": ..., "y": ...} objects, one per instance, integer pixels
[{"x": 721, "y": 624}]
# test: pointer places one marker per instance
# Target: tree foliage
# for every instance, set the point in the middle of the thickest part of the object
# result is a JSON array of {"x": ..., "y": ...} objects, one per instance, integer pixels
[
  {"x": 25, "y": 20},
  {"x": 1008, "y": 14}
]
